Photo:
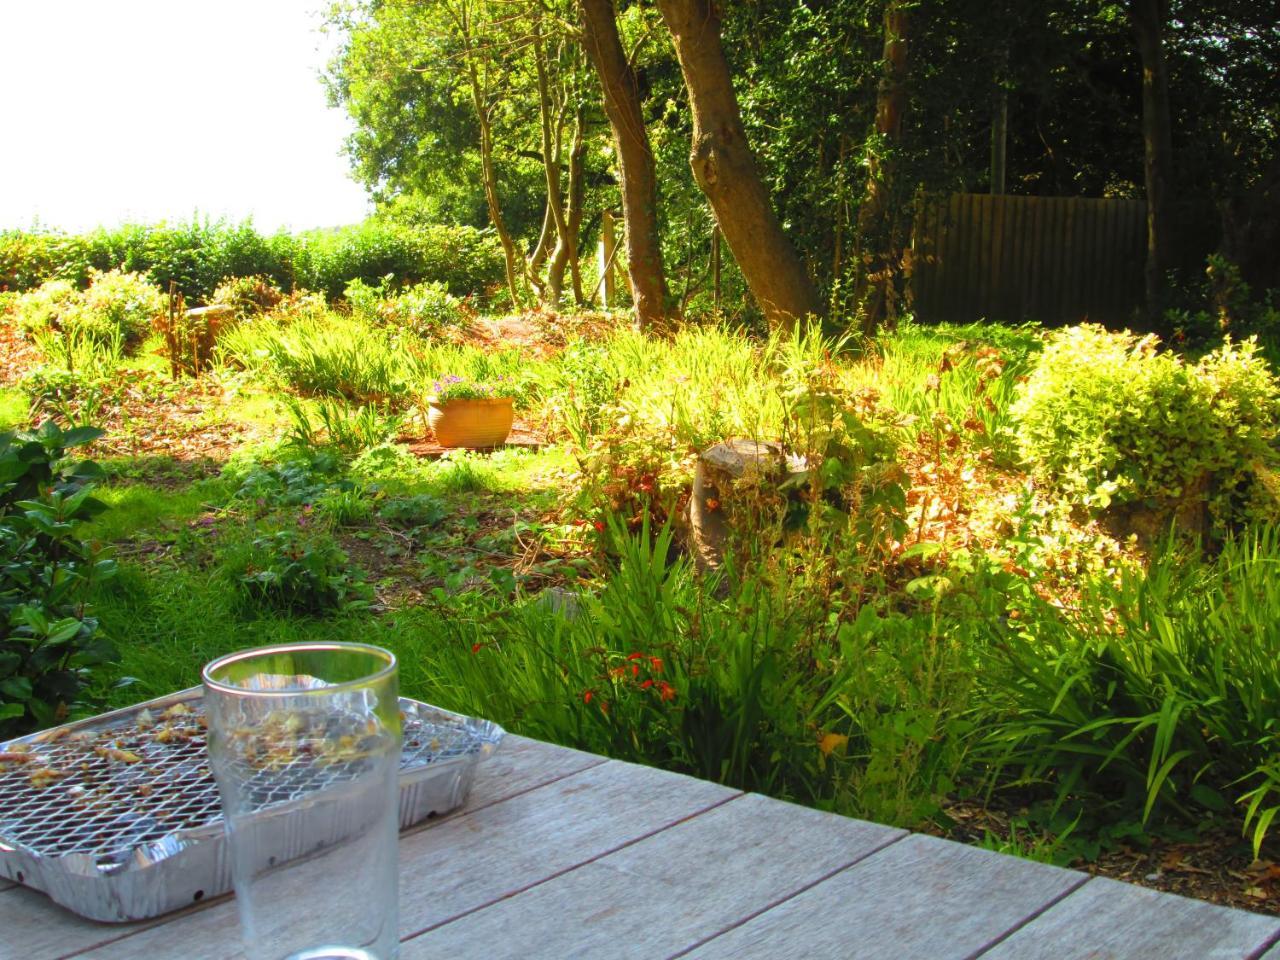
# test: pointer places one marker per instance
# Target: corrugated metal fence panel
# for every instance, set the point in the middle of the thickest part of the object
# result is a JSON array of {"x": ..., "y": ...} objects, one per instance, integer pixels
[{"x": 1010, "y": 258}]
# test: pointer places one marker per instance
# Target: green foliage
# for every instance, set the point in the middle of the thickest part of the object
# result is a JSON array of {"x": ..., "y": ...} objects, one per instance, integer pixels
[
  {"x": 72, "y": 395},
  {"x": 349, "y": 428},
  {"x": 426, "y": 310},
  {"x": 292, "y": 572},
  {"x": 463, "y": 259},
  {"x": 756, "y": 689},
  {"x": 326, "y": 356},
  {"x": 43, "y": 308},
  {"x": 1158, "y": 694},
  {"x": 249, "y": 297},
  {"x": 1107, "y": 417},
  {"x": 49, "y": 644},
  {"x": 117, "y": 308},
  {"x": 457, "y": 388},
  {"x": 199, "y": 256},
  {"x": 419, "y": 510}
]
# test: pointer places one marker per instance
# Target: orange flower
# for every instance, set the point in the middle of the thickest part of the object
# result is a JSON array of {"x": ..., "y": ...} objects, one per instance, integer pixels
[
  {"x": 618, "y": 672},
  {"x": 475, "y": 647},
  {"x": 634, "y": 656},
  {"x": 646, "y": 685},
  {"x": 666, "y": 691},
  {"x": 829, "y": 742},
  {"x": 656, "y": 664}
]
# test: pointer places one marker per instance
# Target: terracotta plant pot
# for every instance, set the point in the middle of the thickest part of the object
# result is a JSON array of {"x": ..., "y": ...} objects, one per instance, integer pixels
[{"x": 471, "y": 423}]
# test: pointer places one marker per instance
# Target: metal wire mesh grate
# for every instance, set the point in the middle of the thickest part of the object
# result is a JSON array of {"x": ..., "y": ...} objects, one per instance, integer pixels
[{"x": 103, "y": 789}]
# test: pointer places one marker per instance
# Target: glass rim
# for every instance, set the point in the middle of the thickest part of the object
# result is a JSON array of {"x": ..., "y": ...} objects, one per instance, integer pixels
[{"x": 389, "y": 664}]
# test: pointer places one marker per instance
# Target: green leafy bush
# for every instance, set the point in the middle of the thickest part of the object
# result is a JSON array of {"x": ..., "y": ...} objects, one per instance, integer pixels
[
  {"x": 117, "y": 308},
  {"x": 464, "y": 259},
  {"x": 426, "y": 310},
  {"x": 292, "y": 572},
  {"x": 49, "y": 645},
  {"x": 1108, "y": 418},
  {"x": 44, "y": 307},
  {"x": 248, "y": 297},
  {"x": 199, "y": 255}
]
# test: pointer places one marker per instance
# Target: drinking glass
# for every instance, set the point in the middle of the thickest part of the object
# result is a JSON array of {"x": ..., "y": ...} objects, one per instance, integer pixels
[{"x": 304, "y": 742}]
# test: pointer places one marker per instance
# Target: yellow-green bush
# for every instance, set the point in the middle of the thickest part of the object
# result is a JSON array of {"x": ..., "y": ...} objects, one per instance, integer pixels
[
  {"x": 118, "y": 308},
  {"x": 1111, "y": 418}
]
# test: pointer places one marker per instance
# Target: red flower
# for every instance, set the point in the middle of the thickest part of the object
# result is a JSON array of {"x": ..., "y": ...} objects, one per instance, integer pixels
[
  {"x": 634, "y": 656},
  {"x": 475, "y": 647},
  {"x": 666, "y": 691},
  {"x": 635, "y": 670},
  {"x": 599, "y": 525},
  {"x": 587, "y": 695},
  {"x": 646, "y": 685},
  {"x": 656, "y": 664}
]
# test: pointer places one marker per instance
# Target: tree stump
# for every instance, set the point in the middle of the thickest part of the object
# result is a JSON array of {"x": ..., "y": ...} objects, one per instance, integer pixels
[{"x": 719, "y": 469}]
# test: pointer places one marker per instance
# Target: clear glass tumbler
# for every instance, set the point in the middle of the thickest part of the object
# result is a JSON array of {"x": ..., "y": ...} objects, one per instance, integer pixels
[{"x": 304, "y": 742}]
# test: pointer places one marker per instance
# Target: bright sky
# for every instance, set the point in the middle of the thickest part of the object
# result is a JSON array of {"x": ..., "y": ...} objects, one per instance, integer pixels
[{"x": 148, "y": 110}]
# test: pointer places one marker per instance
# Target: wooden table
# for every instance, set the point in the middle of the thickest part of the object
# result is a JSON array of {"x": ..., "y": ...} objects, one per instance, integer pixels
[{"x": 564, "y": 854}]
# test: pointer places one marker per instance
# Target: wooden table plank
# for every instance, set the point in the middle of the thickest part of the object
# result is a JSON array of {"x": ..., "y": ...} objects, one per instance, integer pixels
[
  {"x": 1109, "y": 920},
  {"x": 464, "y": 863},
  {"x": 918, "y": 899},
  {"x": 667, "y": 892},
  {"x": 32, "y": 927}
]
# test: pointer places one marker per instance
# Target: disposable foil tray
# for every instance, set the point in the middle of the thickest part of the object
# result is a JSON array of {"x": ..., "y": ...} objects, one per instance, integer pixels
[{"x": 119, "y": 828}]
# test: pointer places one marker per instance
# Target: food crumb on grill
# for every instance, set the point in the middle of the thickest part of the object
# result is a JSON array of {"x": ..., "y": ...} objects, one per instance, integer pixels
[{"x": 44, "y": 776}]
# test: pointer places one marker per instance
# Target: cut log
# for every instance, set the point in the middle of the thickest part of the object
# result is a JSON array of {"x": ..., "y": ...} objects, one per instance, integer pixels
[{"x": 720, "y": 468}]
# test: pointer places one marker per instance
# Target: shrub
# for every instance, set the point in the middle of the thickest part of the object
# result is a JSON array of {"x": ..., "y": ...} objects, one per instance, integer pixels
[
  {"x": 48, "y": 643},
  {"x": 1108, "y": 418},
  {"x": 44, "y": 307},
  {"x": 426, "y": 310},
  {"x": 290, "y": 572},
  {"x": 198, "y": 256},
  {"x": 248, "y": 297},
  {"x": 117, "y": 308},
  {"x": 464, "y": 259}
]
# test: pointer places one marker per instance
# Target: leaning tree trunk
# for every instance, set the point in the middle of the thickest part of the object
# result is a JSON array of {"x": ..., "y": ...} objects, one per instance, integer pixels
[
  {"x": 1148, "y": 18},
  {"x": 725, "y": 169},
  {"x": 635, "y": 161},
  {"x": 878, "y": 231}
]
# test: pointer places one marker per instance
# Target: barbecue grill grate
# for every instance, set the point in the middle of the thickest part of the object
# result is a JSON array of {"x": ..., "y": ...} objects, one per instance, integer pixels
[{"x": 104, "y": 791}]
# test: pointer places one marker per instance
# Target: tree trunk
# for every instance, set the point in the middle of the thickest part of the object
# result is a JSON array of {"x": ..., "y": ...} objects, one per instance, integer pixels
[
  {"x": 635, "y": 161},
  {"x": 479, "y": 100},
  {"x": 1148, "y": 18},
  {"x": 551, "y": 140},
  {"x": 878, "y": 233},
  {"x": 568, "y": 250},
  {"x": 725, "y": 169}
]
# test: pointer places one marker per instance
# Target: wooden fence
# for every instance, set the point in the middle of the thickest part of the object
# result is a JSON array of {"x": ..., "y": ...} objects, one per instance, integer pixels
[{"x": 1011, "y": 258}]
